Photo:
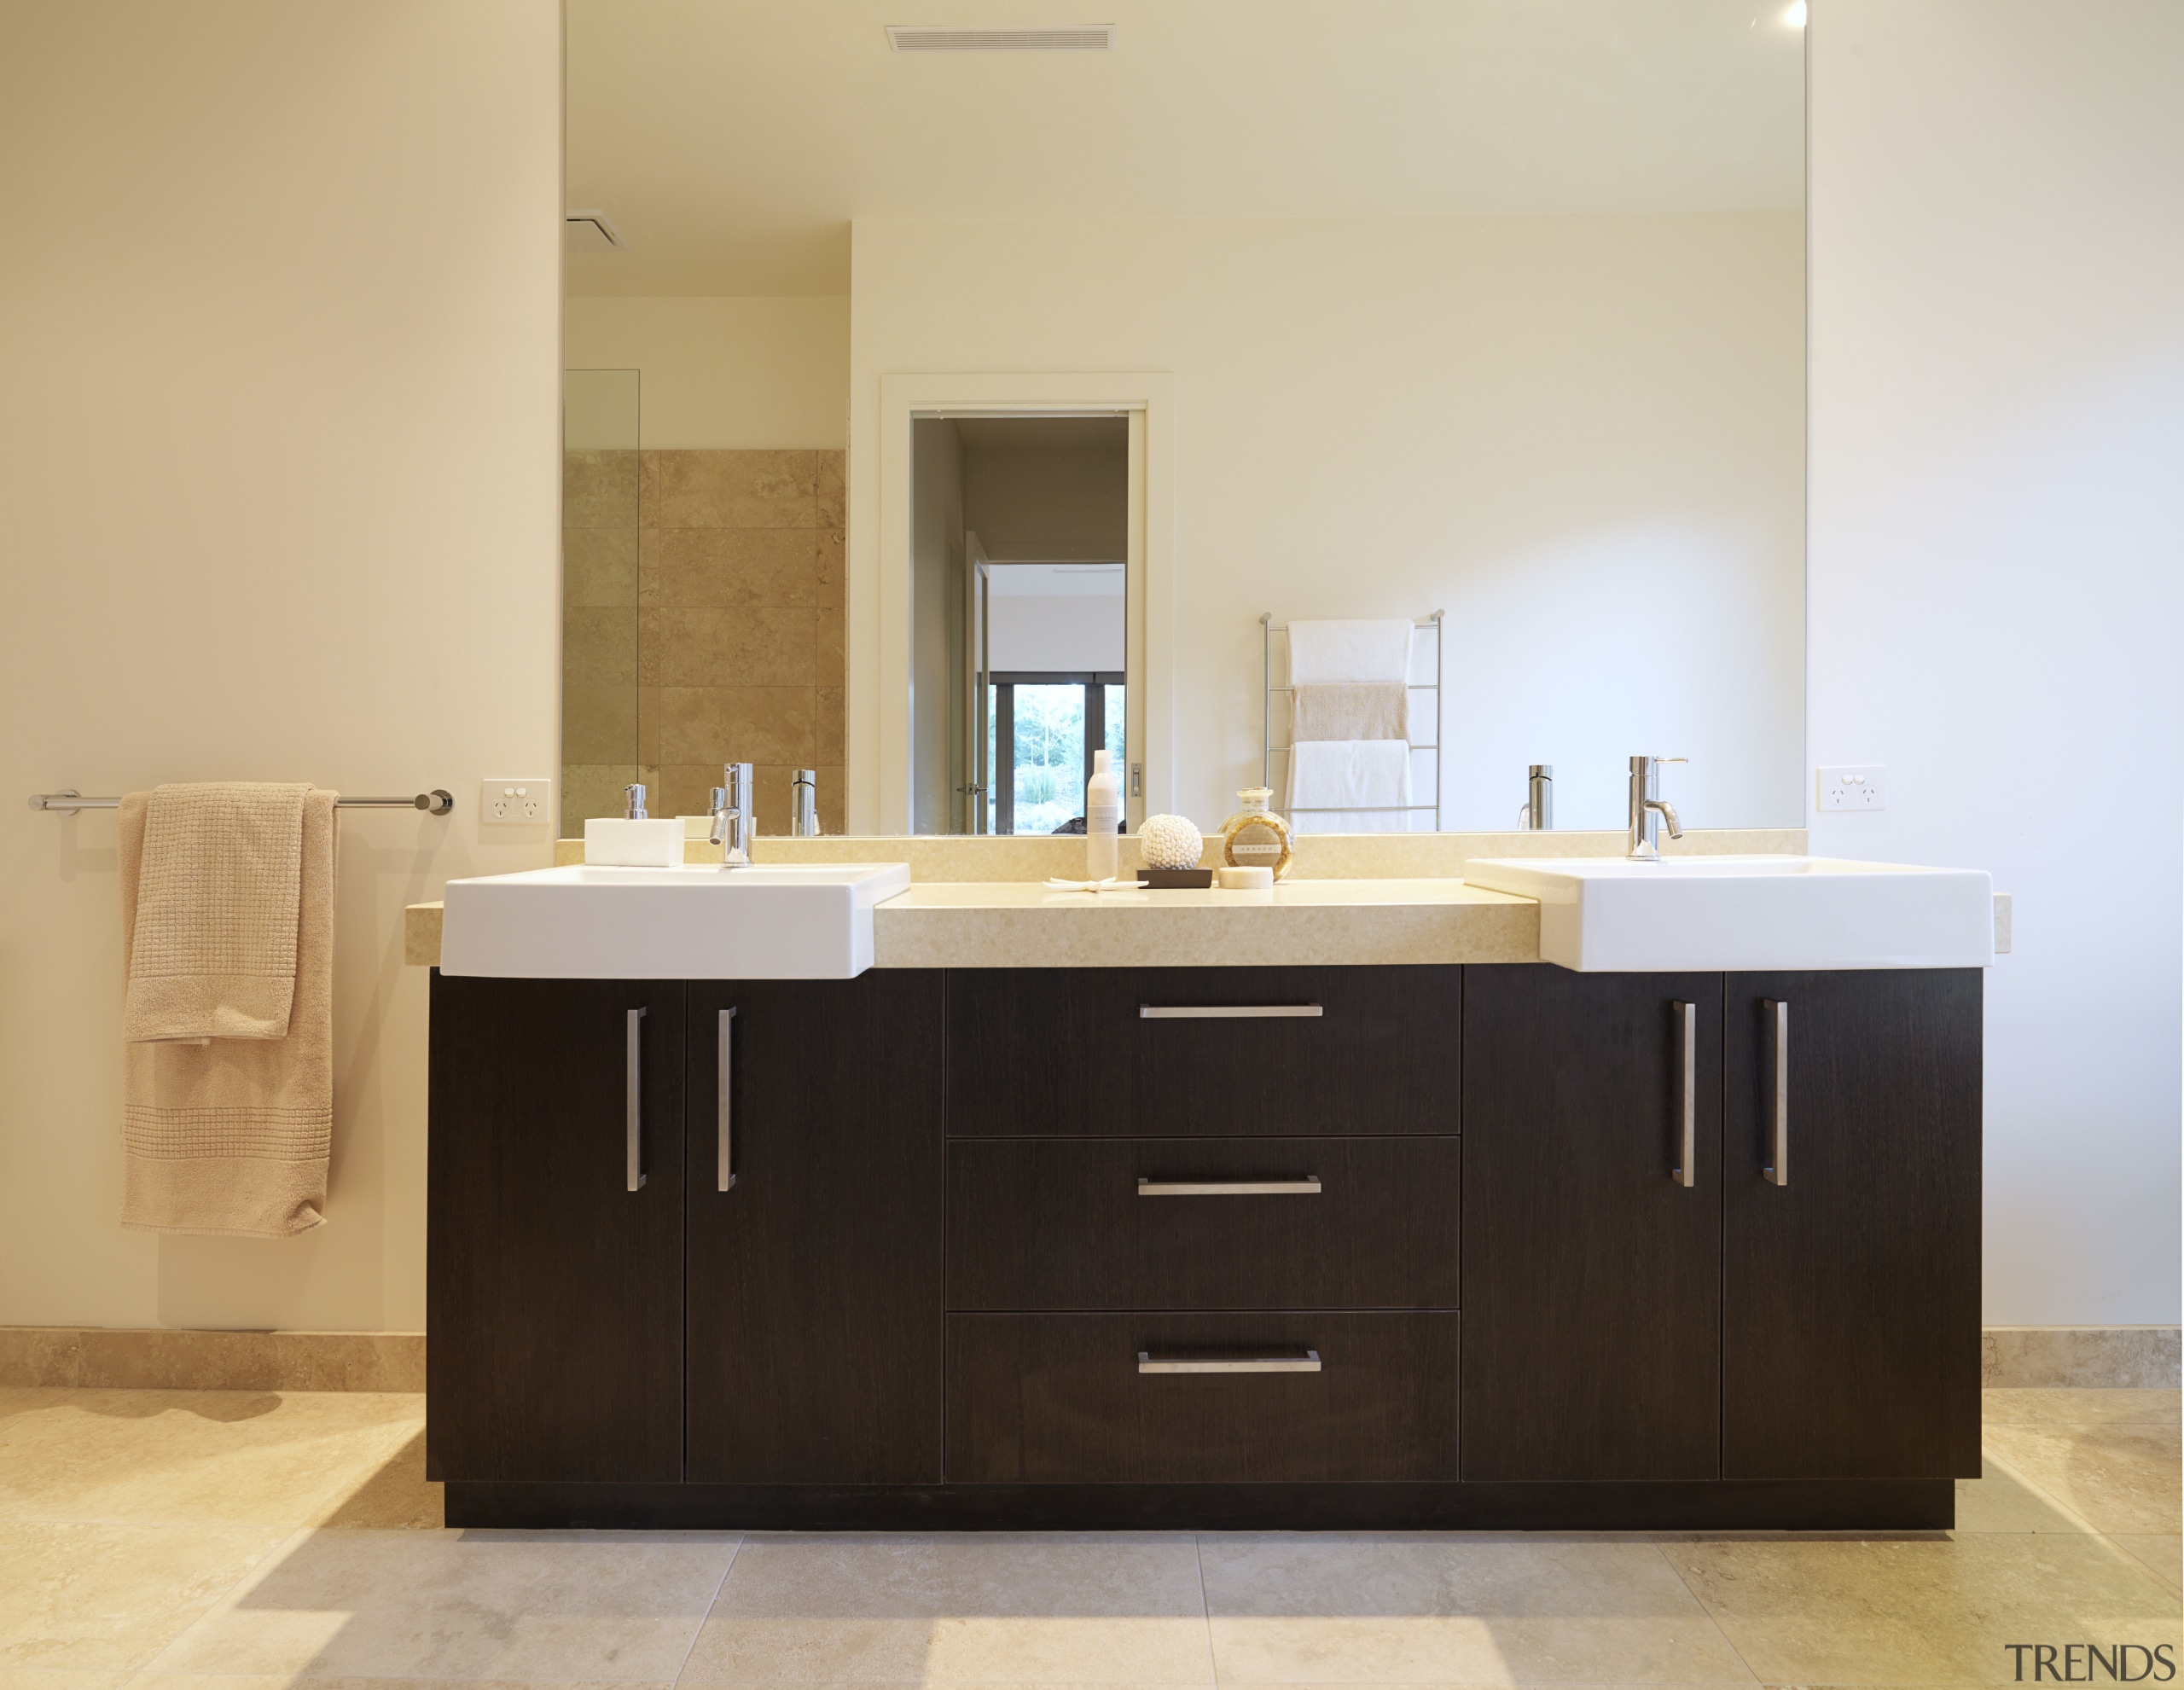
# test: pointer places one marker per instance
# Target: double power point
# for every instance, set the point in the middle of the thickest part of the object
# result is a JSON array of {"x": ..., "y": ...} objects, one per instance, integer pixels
[
  {"x": 517, "y": 801},
  {"x": 1865, "y": 789}
]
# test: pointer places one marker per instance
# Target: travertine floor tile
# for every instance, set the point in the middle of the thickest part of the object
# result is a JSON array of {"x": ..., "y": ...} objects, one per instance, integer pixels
[
  {"x": 108, "y": 1598},
  {"x": 1288, "y": 1609},
  {"x": 2081, "y": 1407},
  {"x": 617, "y": 1607},
  {"x": 2002, "y": 1500},
  {"x": 174, "y": 1457},
  {"x": 59, "y": 1678},
  {"x": 30, "y": 1402},
  {"x": 2117, "y": 1478},
  {"x": 2164, "y": 1555},
  {"x": 282, "y": 1680},
  {"x": 396, "y": 1494},
  {"x": 976, "y": 1608},
  {"x": 1932, "y": 1612}
]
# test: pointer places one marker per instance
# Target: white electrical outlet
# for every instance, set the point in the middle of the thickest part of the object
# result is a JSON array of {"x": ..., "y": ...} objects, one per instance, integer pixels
[
  {"x": 516, "y": 801},
  {"x": 1865, "y": 789}
]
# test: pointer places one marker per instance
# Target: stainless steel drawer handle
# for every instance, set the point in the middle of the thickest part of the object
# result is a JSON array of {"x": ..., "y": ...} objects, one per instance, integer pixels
[
  {"x": 1305, "y": 1361},
  {"x": 1686, "y": 1171},
  {"x": 633, "y": 1097},
  {"x": 1307, "y": 1187},
  {"x": 1777, "y": 1171},
  {"x": 1229, "y": 1011},
  {"x": 725, "y": 1174}
]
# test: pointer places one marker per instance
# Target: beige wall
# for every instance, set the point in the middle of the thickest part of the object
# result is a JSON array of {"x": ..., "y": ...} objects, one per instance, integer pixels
[
  {"x": 1583, "y": 437},
  {"x": 725, "y": 372},
  {"x": 1045, "y": 504},
  {"x": 1998, "y": 571},
  {"x": 280, "y": 461}
]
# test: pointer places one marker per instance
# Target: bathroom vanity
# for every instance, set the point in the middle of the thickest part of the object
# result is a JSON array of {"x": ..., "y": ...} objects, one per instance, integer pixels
[{"x": 1455, "y": 1244}]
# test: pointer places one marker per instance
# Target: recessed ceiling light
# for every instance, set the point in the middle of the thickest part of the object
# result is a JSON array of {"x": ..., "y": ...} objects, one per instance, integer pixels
[
  {"x": 591, "y": 232},
  {"x": 967, "y": 39},
  {"x": 1794, "y": 17}
]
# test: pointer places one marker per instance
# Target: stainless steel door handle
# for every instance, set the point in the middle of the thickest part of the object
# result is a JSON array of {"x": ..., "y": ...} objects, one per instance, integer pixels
[
  {"x": 1305, "y": 1362},
  {"x": 1307, "y": 1187},
  {"x": 633, "y": 1097},
  {"x": 1777, "y": 1171},
  {"x": 725, "y": 1175},
  {"x": 1686, "y": 1171},
  {"x": 1229, "y": 1011}
]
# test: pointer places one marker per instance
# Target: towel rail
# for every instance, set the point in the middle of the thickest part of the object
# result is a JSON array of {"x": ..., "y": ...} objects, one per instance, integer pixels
[
  {"x": 438, "y": 802},
  {"x": 1268, "y": 628}
]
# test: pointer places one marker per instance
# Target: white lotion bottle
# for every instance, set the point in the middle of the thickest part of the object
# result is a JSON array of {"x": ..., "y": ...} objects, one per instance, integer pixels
[{"x": 1103, "y": 819}]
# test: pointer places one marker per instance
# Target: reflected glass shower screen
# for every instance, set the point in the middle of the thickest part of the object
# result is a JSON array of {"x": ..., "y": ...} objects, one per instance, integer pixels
[{"x": 601, "y": 413}]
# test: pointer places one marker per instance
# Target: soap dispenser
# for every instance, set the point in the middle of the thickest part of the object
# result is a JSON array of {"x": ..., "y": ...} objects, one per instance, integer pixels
[
  {"x": 633, "y": 840},
  {"x": 1103, "y": 821}
]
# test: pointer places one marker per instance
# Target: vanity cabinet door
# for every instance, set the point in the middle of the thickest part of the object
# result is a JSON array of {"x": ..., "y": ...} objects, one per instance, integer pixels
[
  {"x": 814, "y": 1313},
  {"x": 1850, "y": 1329},
  {"x": 1592, "y": 1276},
  {"x": 554, "y": 1290}
]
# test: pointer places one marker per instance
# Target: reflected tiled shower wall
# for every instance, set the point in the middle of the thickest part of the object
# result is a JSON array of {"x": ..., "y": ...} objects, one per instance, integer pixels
[
  {"x": 599, "y": 632},
  {"x": 740, "y": 625},
  {"x": 735, "y": 583}
]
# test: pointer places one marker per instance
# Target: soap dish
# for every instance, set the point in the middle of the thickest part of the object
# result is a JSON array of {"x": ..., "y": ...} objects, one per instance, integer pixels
[{"x": 1175, "y": 880}]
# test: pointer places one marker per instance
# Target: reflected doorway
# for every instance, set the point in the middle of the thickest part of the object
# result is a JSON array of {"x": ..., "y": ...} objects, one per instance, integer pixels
[{"x": 1019, "y": 614}]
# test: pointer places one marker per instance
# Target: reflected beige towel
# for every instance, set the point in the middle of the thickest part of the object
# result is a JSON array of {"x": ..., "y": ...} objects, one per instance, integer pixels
[
  {"x": 226, "y": 1131},
  {"x": 1351, "y": 710}
]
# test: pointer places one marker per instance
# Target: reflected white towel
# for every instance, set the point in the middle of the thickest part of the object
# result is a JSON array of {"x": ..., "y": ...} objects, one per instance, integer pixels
[
  {"x": 1350, "y": 787},
  {"x": 1320, "y": 652}
]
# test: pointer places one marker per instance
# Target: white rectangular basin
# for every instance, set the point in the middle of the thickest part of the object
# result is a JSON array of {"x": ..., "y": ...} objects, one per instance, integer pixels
[
  {"x": 768, "y": 921},
  {"x": 1611, "y": 915}
]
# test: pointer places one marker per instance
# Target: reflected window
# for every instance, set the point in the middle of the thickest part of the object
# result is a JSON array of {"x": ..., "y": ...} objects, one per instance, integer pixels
[{"x": 1042, "y": 731}]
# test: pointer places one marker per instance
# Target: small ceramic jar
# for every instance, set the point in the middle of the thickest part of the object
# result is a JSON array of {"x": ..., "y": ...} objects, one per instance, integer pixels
[{"x": 1255, "y": 837}]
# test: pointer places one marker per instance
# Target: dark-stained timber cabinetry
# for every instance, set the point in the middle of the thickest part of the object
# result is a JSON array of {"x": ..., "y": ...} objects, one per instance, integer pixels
[
  {"x": 1521, "y": 1218},
  {"x": 1850, "y": 1314},
  {"x": 814, "y": 1352},
  {"x": 1592, "y": 1276},
  {"x": 554, "y": 1291}
]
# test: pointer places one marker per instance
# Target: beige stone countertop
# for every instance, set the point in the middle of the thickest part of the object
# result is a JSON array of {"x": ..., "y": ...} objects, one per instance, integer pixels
[
  {"x": 1014, "y": 925},
  {"x": 1002, "y": 924}
]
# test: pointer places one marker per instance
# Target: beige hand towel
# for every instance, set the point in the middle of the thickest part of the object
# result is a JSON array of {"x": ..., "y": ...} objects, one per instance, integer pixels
[
  {"x": 230, "y": 1134},
  {"x": 214, "y": 954},
  {"x": 1351, "y": 710}
]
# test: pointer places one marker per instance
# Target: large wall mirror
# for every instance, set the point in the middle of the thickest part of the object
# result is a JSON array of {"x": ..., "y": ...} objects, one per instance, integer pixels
[{"x": 938, "y": 416}]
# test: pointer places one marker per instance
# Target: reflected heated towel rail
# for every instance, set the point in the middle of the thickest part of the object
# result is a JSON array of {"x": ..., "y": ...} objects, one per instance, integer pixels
[{"x": 1269, "y": 629}]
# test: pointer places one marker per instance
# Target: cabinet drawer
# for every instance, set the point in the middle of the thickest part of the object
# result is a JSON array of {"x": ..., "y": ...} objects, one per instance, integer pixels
[
  {"x": 1065, "y": 1223},
  {"x": 1040, "y": 1399},
  {"x": 1071, "y": 1052}
]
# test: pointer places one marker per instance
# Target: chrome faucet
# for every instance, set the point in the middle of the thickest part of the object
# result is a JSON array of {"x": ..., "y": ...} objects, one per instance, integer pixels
[
  {"x": 1648, "y": 809},
  {"x": 803, "y": 804},
  {"x": 1538, "y": 813},
  {"x": 731, "y": 808}
]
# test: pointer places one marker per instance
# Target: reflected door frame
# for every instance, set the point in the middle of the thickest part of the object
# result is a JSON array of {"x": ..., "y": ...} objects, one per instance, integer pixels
[{"x": 878, "y": 753}]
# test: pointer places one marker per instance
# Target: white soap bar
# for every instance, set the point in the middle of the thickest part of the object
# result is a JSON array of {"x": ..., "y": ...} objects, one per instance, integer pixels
[
  {"x": 615, "y": 842},
  {"x": 1244, "y": 879}
]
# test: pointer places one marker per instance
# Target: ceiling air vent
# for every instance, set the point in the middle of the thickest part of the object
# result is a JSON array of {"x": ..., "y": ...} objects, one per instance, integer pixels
[
  {"x": 591, "y": 232},
  {"x": 964, "y": 38}
]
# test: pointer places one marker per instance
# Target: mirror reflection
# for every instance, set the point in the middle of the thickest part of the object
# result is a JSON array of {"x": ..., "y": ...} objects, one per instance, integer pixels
[{"x": 1318, "y": 312}]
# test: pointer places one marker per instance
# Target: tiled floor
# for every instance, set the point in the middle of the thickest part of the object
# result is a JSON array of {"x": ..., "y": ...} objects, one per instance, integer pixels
[{"x": 188, "y": 1540}]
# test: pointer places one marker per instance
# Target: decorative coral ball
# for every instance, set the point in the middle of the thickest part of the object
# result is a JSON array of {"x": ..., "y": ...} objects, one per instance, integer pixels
[{"x": 1169, "y": 842}]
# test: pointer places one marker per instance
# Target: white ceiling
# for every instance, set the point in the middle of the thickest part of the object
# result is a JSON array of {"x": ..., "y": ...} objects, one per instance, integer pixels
[{"x": 732, "y": 140}]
